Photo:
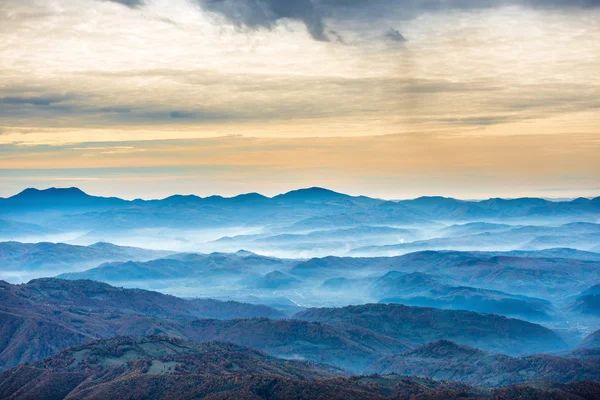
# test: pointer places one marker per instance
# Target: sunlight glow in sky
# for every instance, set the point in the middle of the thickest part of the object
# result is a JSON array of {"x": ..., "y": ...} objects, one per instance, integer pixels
[{"x": 387, "y": 98}]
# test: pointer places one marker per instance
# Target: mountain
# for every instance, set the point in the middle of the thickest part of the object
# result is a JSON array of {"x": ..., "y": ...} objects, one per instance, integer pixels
[
  {"x": 83, "y": 295},
  {"x": 301, "y": 210},
  {"x": 445, "y": 360},
  {"x": 559, "y": 252},
  {"x": 11, "y": 230},
  {"x": 397, "y": 283},
  {"x": 587, "y": 302},
  {"x": 473, "y": 228},
  {"x": 60, "y": 256},
  {"x": 314, "y": 194},
  {"x": 57, "y": 200},
  {"x": 361, "y": 231},
  {"x": 592, "y": 341},
  {"x": 481, "y": 301},
  {"x": 182, "y": 266},
  {"x": 158, "y": 367},
  {"x": 46, "y": 315},
  {"x": 585, "y": 241},
  {"x": 447, "y": 208},
  {"x": 332, "y": 240},
  {"x": 422, "y": 325},
  {"x": 424, "y": 290},
  {"x": 215, "y": 309},
  {"x": 192, "y": 212},
  {"x": 275, "y": 280},
  {"x": 150, "y": 367},
  {"x": 345, "y": 284},
  {"x": 533, "y": 276},
  {"x": 517, "y": 284},
  {"x": 579, "y": 235},
  {"x": 352, "y": 349}
]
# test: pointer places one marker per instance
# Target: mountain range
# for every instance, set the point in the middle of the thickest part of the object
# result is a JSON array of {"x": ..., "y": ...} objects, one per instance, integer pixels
[
  {"x": 531, "y": 285},
  {"x": 445, "y": 360},
  {"x": 44, "y": 316},
  {"x": 158, "y": 367},
  {"x": 57, "y": 256},
  {"x": 307, "y": 294},
  {"x": 296, "y": 207}
]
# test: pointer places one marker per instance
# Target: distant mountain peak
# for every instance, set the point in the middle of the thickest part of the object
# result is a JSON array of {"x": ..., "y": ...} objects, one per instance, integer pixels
[
  {"x": 244, "y": 253},
  {"x": 252, "y": 195},
  {"x": 313, "y": 193},
  {"x": 53, "y": 191}
]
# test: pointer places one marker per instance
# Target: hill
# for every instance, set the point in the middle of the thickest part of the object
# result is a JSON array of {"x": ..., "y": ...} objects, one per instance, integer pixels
[
  {"x": 447, "y": 360},
  {"x": 352, "y": 349},
  {"x": 60, "y": 256},
  {"x": 592, "y": 341},
  {"x": 46, "y": 315},
  {"x": 12, "y": 230},
  {"x": 587, "y": 303},
  {"x": 58, "y": 200},
  {"x": 423, "y": 325},
  {"x": 181, "y": 266},
  {"x": 299, "y": 210},
  {"x": 419, "y": 289},
  {"x": 158, "y": 367}
]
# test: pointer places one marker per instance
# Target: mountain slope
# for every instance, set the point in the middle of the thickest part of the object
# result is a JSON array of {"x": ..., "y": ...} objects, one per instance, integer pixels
[
  {"x": 447, "y": 360},
  {"x": 47, "y": 315},
  {"x": 57, "y": 200},
  {"x": 12, "y": 230},
  {"x": 159, "y": 367},
  {"x": 60, "y": 256},
  {"x": 352, "y": 349},
  {"x": 587, "y": 302},
  {"x": 181, "y": 266},
  {"x": 424, "y": 290},
  {"x": 423, "y": 325},
  {"x": 127, "y": 365},
  {"x": 592, "y": 341}
]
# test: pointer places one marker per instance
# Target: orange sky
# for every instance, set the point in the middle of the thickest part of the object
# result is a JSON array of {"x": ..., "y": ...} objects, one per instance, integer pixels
[{"x": 475, "y": 102}]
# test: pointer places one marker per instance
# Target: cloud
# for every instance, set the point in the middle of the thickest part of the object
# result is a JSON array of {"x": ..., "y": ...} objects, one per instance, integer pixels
[
  {"x": 182, "y": 115},
  {"x": 267, "y": 13},
  {"x": 316, "y": 14},
  {"x": 129, "y": 3},
  {"x": 394, "y": 35},
  {"x": 115, "y": 110},
  {"x": 33, "y": 101}
]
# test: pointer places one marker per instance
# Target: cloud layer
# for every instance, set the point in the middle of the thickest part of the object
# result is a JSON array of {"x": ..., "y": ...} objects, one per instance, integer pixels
[
  {"x": 508, "y": 75},
  {"x": 314, "y": 13}
]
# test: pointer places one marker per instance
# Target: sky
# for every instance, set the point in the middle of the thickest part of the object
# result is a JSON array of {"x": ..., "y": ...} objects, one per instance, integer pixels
[{"x": 387, "y": 98}]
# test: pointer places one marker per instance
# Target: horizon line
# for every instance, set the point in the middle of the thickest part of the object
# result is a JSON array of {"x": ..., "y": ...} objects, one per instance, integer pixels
[{"x": 553, "y": 199}]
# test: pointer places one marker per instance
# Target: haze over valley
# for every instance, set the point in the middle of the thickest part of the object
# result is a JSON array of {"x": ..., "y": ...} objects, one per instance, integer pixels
[{"x": 357, "y": 285}]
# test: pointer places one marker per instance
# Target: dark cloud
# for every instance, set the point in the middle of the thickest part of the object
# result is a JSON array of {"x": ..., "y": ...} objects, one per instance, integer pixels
[
  {"x": 256, "y": 14},
  {"x": 129, "y": 3},
  {"x": 394, "y": 35},
  {"x": 182, "y": 115},
  {"x": 267, "y": 13},
  {"x": 43, "y": 101},
  {"x": 115, "y": 110}
]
